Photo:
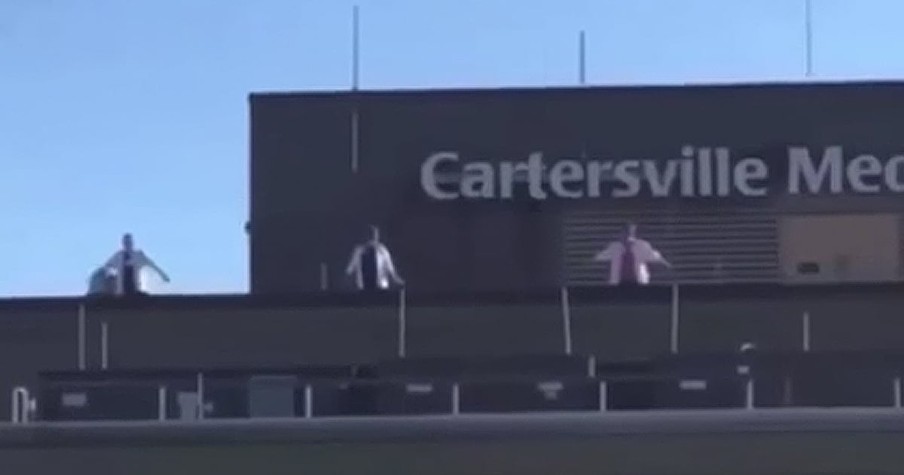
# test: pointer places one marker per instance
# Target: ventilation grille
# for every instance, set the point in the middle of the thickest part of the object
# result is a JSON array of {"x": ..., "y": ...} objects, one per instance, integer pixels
[
  {"x": 901, "y": 237},
  {"x": 722, "y": 247}
]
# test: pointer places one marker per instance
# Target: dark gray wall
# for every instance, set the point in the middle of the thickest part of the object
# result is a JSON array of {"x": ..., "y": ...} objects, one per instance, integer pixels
[
  {"x": 308, "y": 208},
  {"x": 261, "y": 337},
  {"x": 192, "y": 332},
  {"x": 34, "y": 339},
  {"x": 842, "y": 318},
  {"x": 798, "y": 453}
]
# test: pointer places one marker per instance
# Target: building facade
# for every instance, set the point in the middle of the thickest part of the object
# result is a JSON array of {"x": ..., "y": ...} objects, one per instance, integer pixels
[{"x": 517, "y": 189}]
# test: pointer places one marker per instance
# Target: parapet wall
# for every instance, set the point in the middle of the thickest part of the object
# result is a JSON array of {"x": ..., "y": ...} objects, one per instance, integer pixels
[
  {"x": 612, "y": 324},
  {"x": 712, "y": 443}
]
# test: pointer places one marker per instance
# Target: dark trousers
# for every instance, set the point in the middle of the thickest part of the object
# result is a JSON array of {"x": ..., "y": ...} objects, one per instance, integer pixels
[
  {"x": 370, "y": 285},
  {"x": 130, "y": 282}
]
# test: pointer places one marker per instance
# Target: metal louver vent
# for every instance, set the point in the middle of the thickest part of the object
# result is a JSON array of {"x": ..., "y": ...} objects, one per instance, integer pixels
[
  {"x": 901, "y": 236},
  {"x": 716, "y": 247}
]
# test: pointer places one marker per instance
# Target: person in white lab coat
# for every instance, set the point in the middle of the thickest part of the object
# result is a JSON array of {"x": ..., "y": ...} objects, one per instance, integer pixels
[
  {"x": 127, "y": 264},
  {"x": 629, "y": 258},
  {"x": 371, "y": 265}
]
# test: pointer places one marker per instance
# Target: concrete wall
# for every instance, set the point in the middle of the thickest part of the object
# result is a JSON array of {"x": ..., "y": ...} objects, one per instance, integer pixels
[
  {"x": 699, "y": 446},
  {"x": 268, "y": 336},
  {"x": 192, "y": 332},
  {"x": 35, "y": 337},
  {"x": 792, "y": 454}
]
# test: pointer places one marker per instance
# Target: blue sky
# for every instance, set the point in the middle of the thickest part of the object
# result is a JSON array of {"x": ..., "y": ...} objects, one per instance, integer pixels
[{"x": 132, "y": 115}]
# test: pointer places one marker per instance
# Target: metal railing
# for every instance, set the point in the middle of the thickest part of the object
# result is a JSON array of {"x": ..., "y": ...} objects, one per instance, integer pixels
[
  {"x": 23, "y": 405},
  {"x": 566, "y": 319},
  {"x": 566, "y": 307}
]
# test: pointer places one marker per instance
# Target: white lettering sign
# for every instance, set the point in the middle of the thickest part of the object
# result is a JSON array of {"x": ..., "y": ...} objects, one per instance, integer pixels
[
  {"x": 801, "y": 168},
  {"x": 699, "y": 172}
]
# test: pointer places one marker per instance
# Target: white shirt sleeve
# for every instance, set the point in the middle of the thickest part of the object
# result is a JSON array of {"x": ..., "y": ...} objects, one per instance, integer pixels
[
  {"x": 141, "y": 260},
  {"x": 647, "y": 253},
  {"x": 114, "y": 261},
  {"x": 354, "y": 261},
  {"x": 386, "y": 259},
  {"x": 609, "y": 253}
]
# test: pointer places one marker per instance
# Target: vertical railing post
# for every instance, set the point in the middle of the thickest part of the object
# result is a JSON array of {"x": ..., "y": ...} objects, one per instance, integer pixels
[
  {"x": 456, "y": 399},
  {"x": 161, "y": 403},
  {"x": 104, "y": 345},
  {"x": 604, "y": 396},
  {"x": 82, "y": 356},
  {"x": 788, "y": 391},
  {"x": 403, "y": 323},
  {"x": 308, "y": 401},
  {"x": 805, "y": 324},
  {"x": 566, "y": 319},
  {"x": 21, "y": 405},
  {"x": 749, "y": 402},
  {"x": 200, "y": 395},
  {"x": 675, "y": 319},
  {"x": 324, "y": 277},
  {"x": 15, "y": 412},
  {"x": 897, "y": 392},
  {"x": 354, "y": 139}
]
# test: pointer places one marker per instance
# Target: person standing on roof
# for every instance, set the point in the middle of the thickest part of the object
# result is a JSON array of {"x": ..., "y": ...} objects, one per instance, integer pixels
[
  {"x": 629, "y": 257},
  {"x": 127, "y": 264},
  {"x": 371, "y": 265}
]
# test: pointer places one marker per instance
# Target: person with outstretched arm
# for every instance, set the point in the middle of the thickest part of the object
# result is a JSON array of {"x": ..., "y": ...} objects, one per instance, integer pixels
[
  {"x": 629, "y": 257},
  {"x": 371, "y": 265},
  {"x": 127, "y": 264}
]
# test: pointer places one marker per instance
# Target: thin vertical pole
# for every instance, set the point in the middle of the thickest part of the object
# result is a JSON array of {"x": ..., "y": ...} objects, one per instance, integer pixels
[
  {"x": 788, "y": 391},
  {"x": 356, "y": 66},
  {"x": 14, "y": 410},
  {"x": 82, "y": 357},
  {"x": 354, "y": 139},
  {"x": 897, "y": 392},
  {"x": 161, "y": 403},
  {"x": 675, "y": 320},
  {"x": 806, "y": 331},
  {"x": 104, "y": 345},
  {"x": 200, "y": 396},
  {"x": 566, "y": 319},
  {"x": 749, "y": 402},
  {"x": 808, "y": 31},
  {"x": 308, "y": 401},
  {"x": 356, "y": 47},
  {"x": 456, "y": 399},
  {"x": 21, "y": 405},
  {"x": 403, "y": 323},
  {"x": 324, "y": 277},
  {"x": 604, "y": 396},
  {"x": 582, "y": 58}
]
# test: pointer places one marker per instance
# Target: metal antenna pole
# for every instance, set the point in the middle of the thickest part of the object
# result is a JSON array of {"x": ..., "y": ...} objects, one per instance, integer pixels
[
  {"x": 808, "y": 31},
  {"x": 356, "y": 47},
  {"x": 356, "y": 59},
  {"x": 582, "y": 58}
]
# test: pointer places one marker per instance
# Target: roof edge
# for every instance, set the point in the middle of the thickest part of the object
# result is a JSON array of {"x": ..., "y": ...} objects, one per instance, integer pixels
[{"x": 570, "y": 88}]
